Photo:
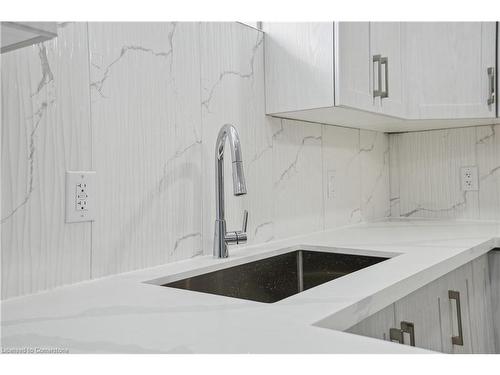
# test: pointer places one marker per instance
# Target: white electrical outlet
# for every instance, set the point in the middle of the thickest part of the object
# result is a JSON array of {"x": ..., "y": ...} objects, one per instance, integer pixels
[
  {"x": 80, "y": 199},
  {"x": 330, "y": 184},
  {"x": 469, "y": 178}
]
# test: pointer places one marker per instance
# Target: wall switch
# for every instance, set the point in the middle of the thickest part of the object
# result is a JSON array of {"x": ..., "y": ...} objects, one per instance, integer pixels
[
  {"x": 80, "y": 198},
  {"x": 469, "y": 178},
  {"x": 330, "y": 184}
]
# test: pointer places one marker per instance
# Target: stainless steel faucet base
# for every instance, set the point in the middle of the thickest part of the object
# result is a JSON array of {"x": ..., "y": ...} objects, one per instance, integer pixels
[{"x": 220, "y": 246}]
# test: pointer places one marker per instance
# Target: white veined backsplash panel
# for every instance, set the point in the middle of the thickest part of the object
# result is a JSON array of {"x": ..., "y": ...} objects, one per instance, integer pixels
[
  {"x": 145, "y": 92},
  {"x": 232, "y": 80},
  {"x": 374, "y": 159},
  {"x": 146, "y": 119},
  {"x": 394, "y": 175},
  {"x": 428, "y": 173},
  {"x": 45, "y": 131},
  {"x": 297, "y": 178},
  {"x": 341, "y": 176},
  {"x": 488, "y": 160}
]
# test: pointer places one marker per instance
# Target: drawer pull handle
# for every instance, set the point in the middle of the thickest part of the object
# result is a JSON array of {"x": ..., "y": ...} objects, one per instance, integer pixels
[
  {"x": 455, "y": 296},
  {"x": 377, "y": 60},
  {"x": 491, "y": 84},
  {"x": 385, "y": 61},
  {"x": 409, "y": 328},
  {"x": 397, "y": 334}
]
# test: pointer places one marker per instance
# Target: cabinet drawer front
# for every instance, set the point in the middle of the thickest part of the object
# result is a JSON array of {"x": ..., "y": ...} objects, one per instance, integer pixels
[
  {"x": 376, "y": 325},
  {"x": 422, "y": 309}
]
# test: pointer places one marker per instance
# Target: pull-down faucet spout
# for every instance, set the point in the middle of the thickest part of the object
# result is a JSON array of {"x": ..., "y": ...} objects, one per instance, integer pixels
[{"x": 223, "y": 238}]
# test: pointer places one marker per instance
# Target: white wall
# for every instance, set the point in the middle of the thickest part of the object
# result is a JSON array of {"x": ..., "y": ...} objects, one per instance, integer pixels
[
  {"x": 141, "y": 104},
  {"x": 425, "y": 173},
  {"x": 45, "y": 131}
]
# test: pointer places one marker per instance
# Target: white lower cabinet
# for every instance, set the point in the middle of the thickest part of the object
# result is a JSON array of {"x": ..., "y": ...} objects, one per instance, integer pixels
[
  {"x": 376, "y": 325},
  {"x": 494, "y": 268},
  {"x": 454, "y": 305},
  {"x": 417, "y": 317},
  {"x": 453, "y": 314},
  {"x": 481, "y": 303}
]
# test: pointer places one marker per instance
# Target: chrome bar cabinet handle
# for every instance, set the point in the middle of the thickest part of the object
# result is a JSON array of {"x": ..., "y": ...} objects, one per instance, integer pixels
[
  {"x": 457, "y": 340},
  {"x": 377, "y": 61},
  {"x": 491, "y": 86},
  {"x": 396, "y": 335},
  {"x": 245, "y": 221},
  {"x": 409, "y": 328},
  {"x": 385, "y": 61}
]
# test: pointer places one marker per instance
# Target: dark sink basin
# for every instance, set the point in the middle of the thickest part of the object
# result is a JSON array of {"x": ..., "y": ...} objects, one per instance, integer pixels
[{"x": 272, "y": 279}]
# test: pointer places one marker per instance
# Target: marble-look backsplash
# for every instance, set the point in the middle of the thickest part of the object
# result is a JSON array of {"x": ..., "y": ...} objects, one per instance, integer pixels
[
  {"x": 141, "y": 103},
  {"x": 425, "y": 173}
]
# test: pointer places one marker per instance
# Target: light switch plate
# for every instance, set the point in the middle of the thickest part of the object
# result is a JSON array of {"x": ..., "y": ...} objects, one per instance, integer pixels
[{"x": 80, "y": 196}]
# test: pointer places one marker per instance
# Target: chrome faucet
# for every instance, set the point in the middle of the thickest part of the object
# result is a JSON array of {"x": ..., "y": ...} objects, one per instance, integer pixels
[{"x": 223, "y": 238}]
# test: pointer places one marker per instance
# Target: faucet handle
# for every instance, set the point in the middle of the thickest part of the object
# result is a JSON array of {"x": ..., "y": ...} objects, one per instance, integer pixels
[
  {"x": 245, "y": 221},
  {"x": 238, "y": 236}
]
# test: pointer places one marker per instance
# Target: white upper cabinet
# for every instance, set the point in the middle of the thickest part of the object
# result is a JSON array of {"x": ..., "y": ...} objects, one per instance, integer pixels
[
  {"x": 389, "y": 76},
  {"x": 353, "y": 72},
  {"x": 299, "y": 66},
  {"x": 369, "y": 67},
  {"x": 386, "y": 41},
  {"x": 449, "y": 66},
  {"x": 16, "y": 35}
]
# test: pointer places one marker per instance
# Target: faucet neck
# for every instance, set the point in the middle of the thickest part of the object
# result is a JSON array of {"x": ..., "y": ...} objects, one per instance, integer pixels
[
  {"x": 239, "y": 185},
  {"x": 219, "y": 188},
  {"x": 230, "y": 133}
]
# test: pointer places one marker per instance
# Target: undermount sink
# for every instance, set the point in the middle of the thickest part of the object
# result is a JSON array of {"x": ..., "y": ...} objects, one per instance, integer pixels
[{"x": 275, "y": 278}]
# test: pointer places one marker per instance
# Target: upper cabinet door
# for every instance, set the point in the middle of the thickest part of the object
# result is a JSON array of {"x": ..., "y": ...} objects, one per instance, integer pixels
[
  {"x": 386, "y": 39},
  {"x": 447, "y": 67},
  {"x": 369, "y": 68},
  {"x": 353, "y": 66},
  {"x": 299, "y": 66}
]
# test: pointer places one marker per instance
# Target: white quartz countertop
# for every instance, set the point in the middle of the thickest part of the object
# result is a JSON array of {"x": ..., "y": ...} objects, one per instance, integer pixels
[{"x": 128, "y": 313}]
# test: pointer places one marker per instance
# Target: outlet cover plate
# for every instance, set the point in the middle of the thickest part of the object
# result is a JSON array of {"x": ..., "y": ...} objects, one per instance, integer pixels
[
  {"x": 469, "y": 178},
  {"x": 80, "y": 196}
]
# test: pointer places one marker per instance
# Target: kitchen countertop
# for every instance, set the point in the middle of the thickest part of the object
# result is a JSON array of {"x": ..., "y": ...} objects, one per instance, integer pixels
[{"x": 128, "y": 313}]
